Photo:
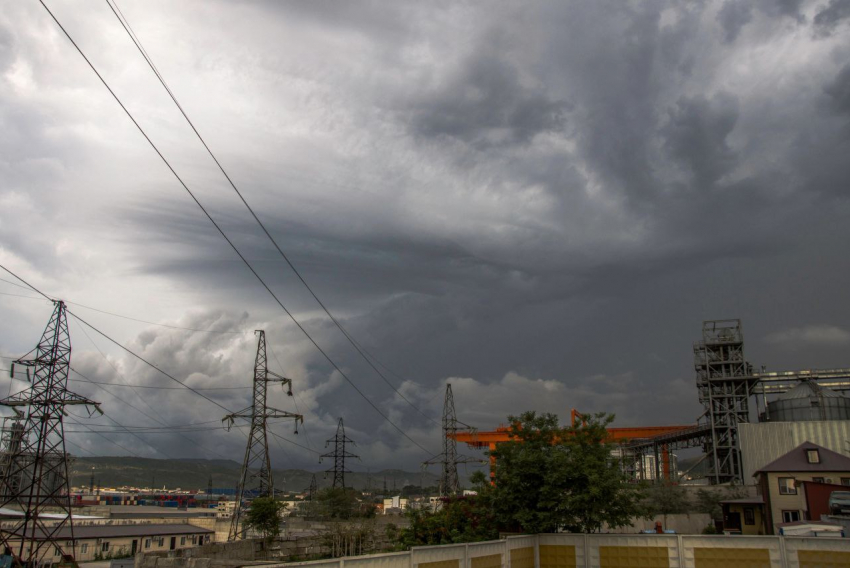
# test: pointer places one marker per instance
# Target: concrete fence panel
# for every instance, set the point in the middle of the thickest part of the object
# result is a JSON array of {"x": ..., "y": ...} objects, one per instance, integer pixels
[
  {"x": 392, "y": 560},
  {"x": 517, "y": 551},
  {"x": 329, "y": 563},
  {"x": 445, "y": 556},
  {"x": 631, "y": 551},
  {"x": 731, "y": 552},
  {"x": 802, "y": 552},
  {"x": 562, "y": 550},
  {"x": 489, "y": 554}
]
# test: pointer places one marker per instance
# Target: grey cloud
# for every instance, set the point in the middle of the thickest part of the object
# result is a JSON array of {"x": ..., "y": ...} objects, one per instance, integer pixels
[
  {"x": 838, "y": 91},
  {"x": 783, "y": 8},
  {"x": 423, "y": 170},
  {"x": 485, "y": 104},
  {"x": 831, "y": 16},
  {"x": 697, "y": 132},
  {"x": 733, "y": 16}
]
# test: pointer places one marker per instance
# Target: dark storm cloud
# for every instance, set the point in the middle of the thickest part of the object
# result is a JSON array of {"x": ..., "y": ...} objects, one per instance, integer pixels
[
  {"x": 831, "y": 15},
  {"x": 733, "y": 16},
  {"x": 697, "y": 136},
  {"x": 838, "y": 91},
  {"x": 484, "y": 104},
  {"x": 536, "y": 203}
]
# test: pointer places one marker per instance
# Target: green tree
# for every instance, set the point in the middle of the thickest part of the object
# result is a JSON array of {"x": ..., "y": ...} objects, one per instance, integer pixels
[
  {"x": 338, "y": 503},
  {"x": 459, "y": 519},
  {"x": 667, "y": 499},
  {"x": 549, "y": 478},
  {"x": 263, "y": 516}
]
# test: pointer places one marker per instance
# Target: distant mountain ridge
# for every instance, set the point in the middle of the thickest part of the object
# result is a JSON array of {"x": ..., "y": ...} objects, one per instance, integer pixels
[{"x": 194, "y": 474}]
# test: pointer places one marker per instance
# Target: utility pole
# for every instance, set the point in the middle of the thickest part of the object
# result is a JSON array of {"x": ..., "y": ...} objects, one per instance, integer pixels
[
  {"x": 314, "y": 487},
  {"x": 449, "y": 458},
  {"x": 256, "y": 478},
  {"x": 91, "y": 482},
  {"x": 339, "y": 454},
  {"x": 35, "y": 476},
  {"x": 311, "y": 495},
  {"x": 209, "y": 485}
]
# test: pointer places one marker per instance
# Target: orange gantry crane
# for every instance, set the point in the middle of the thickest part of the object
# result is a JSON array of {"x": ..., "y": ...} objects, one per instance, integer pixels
[{"x": 489, "y": 440}]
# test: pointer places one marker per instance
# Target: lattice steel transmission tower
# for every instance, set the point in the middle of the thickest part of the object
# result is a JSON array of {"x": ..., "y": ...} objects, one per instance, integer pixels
[
  {"x": 256, "y": 478},
  {"x": 449, "y": 458},
  {"x": 339, "y": 454},
  {"x": 34, "y": 461},
  {"x": 725, "y": 383}
]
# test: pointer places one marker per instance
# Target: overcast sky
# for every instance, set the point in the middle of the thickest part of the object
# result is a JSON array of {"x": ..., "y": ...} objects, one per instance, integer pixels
[{"x": 538, "y": 203}]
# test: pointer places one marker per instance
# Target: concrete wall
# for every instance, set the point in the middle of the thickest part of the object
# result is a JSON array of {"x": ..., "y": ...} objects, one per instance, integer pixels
[{"x": 590, "y": 550}]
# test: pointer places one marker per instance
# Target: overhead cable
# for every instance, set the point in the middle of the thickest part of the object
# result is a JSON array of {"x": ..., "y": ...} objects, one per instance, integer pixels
[
  {"x": 232, "y": 245},
  {"x": 359, "y": 348}
]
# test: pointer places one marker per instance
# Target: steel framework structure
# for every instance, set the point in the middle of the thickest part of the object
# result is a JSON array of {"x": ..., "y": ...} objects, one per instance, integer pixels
[
  {"x": 449, "y": 458},
  {"x": 339, "y": 454},
  {"x": 725, "y": 383},
  {"x": 35, "y": 463},
  {"x": 256, "y": 479}
]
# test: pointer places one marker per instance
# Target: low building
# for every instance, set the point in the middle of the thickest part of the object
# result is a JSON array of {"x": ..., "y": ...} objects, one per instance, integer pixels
[
  {"x": 395, "y": 505},
  {"x": 97, "y": 542},
  {"x": 744, "y": 516},
  {"x": 782, "y": 484}
]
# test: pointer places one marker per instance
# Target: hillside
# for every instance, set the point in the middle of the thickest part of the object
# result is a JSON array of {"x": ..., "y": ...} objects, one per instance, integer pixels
[{"x": 195, "y": 473}]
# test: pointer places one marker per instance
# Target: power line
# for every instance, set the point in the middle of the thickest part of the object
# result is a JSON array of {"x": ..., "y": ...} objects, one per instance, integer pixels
[
  {"x": 359, "y": 348},
  {"x": 156, "y": 387},
  {"x": 229, "y": 242},
  {"x": 139, "y": 357},
  {"x": 122, "y": 316}
]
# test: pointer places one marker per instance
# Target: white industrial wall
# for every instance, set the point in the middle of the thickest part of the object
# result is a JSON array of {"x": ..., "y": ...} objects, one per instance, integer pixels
[
  {"x": 566, "y": 550},
  {"x": 763, "y": 442}
]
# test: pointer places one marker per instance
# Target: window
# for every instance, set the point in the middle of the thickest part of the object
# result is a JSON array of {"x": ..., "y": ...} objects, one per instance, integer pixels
[
  {"x": 845, "y": 481},
  {"x": 182, "y": 541},
  {"x": 790, "y": 516},
  {"x": 104, "y": 547},
  {"x": 147, "y": 543},
  {"x": 749, "y": 516},
  {"x": 818, "y": 479},
  {"x": 194, "y": 539},
  {"x": 56, "y": 552},
  {"x": 84, "y": 548},
  {"x": 812, "y": 456},
  {"x": 787, "y": 486}
]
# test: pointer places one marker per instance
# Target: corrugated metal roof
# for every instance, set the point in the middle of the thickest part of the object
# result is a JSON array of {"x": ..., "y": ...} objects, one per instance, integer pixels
[
  {"x": 808, "y": 389},
  {"x": 117, "y": 531}
]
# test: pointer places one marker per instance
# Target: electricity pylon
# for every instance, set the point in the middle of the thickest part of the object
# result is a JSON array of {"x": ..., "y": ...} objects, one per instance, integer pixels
[
  {"x": 449, "y": 458},
  {"x": 256, "y": 478},
  {"x": 35, "y": 465},
  {"x": 339, "y": 454}
]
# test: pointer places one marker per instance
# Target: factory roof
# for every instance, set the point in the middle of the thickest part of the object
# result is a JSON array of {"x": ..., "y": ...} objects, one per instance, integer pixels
[
  {"x": 798, "y": 460},
  {"x": 118, "y": 531}
]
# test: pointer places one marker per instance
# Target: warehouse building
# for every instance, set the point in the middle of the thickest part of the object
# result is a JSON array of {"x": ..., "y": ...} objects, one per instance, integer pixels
[
  {"x": 806, "y": 413},
  {"x": 98, "y": 542}
]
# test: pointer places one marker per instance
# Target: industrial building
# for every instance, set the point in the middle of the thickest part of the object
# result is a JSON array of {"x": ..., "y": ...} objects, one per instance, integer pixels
[
  {"x": 110, "y": 541},
  {"x": 751, "y": 418}
]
